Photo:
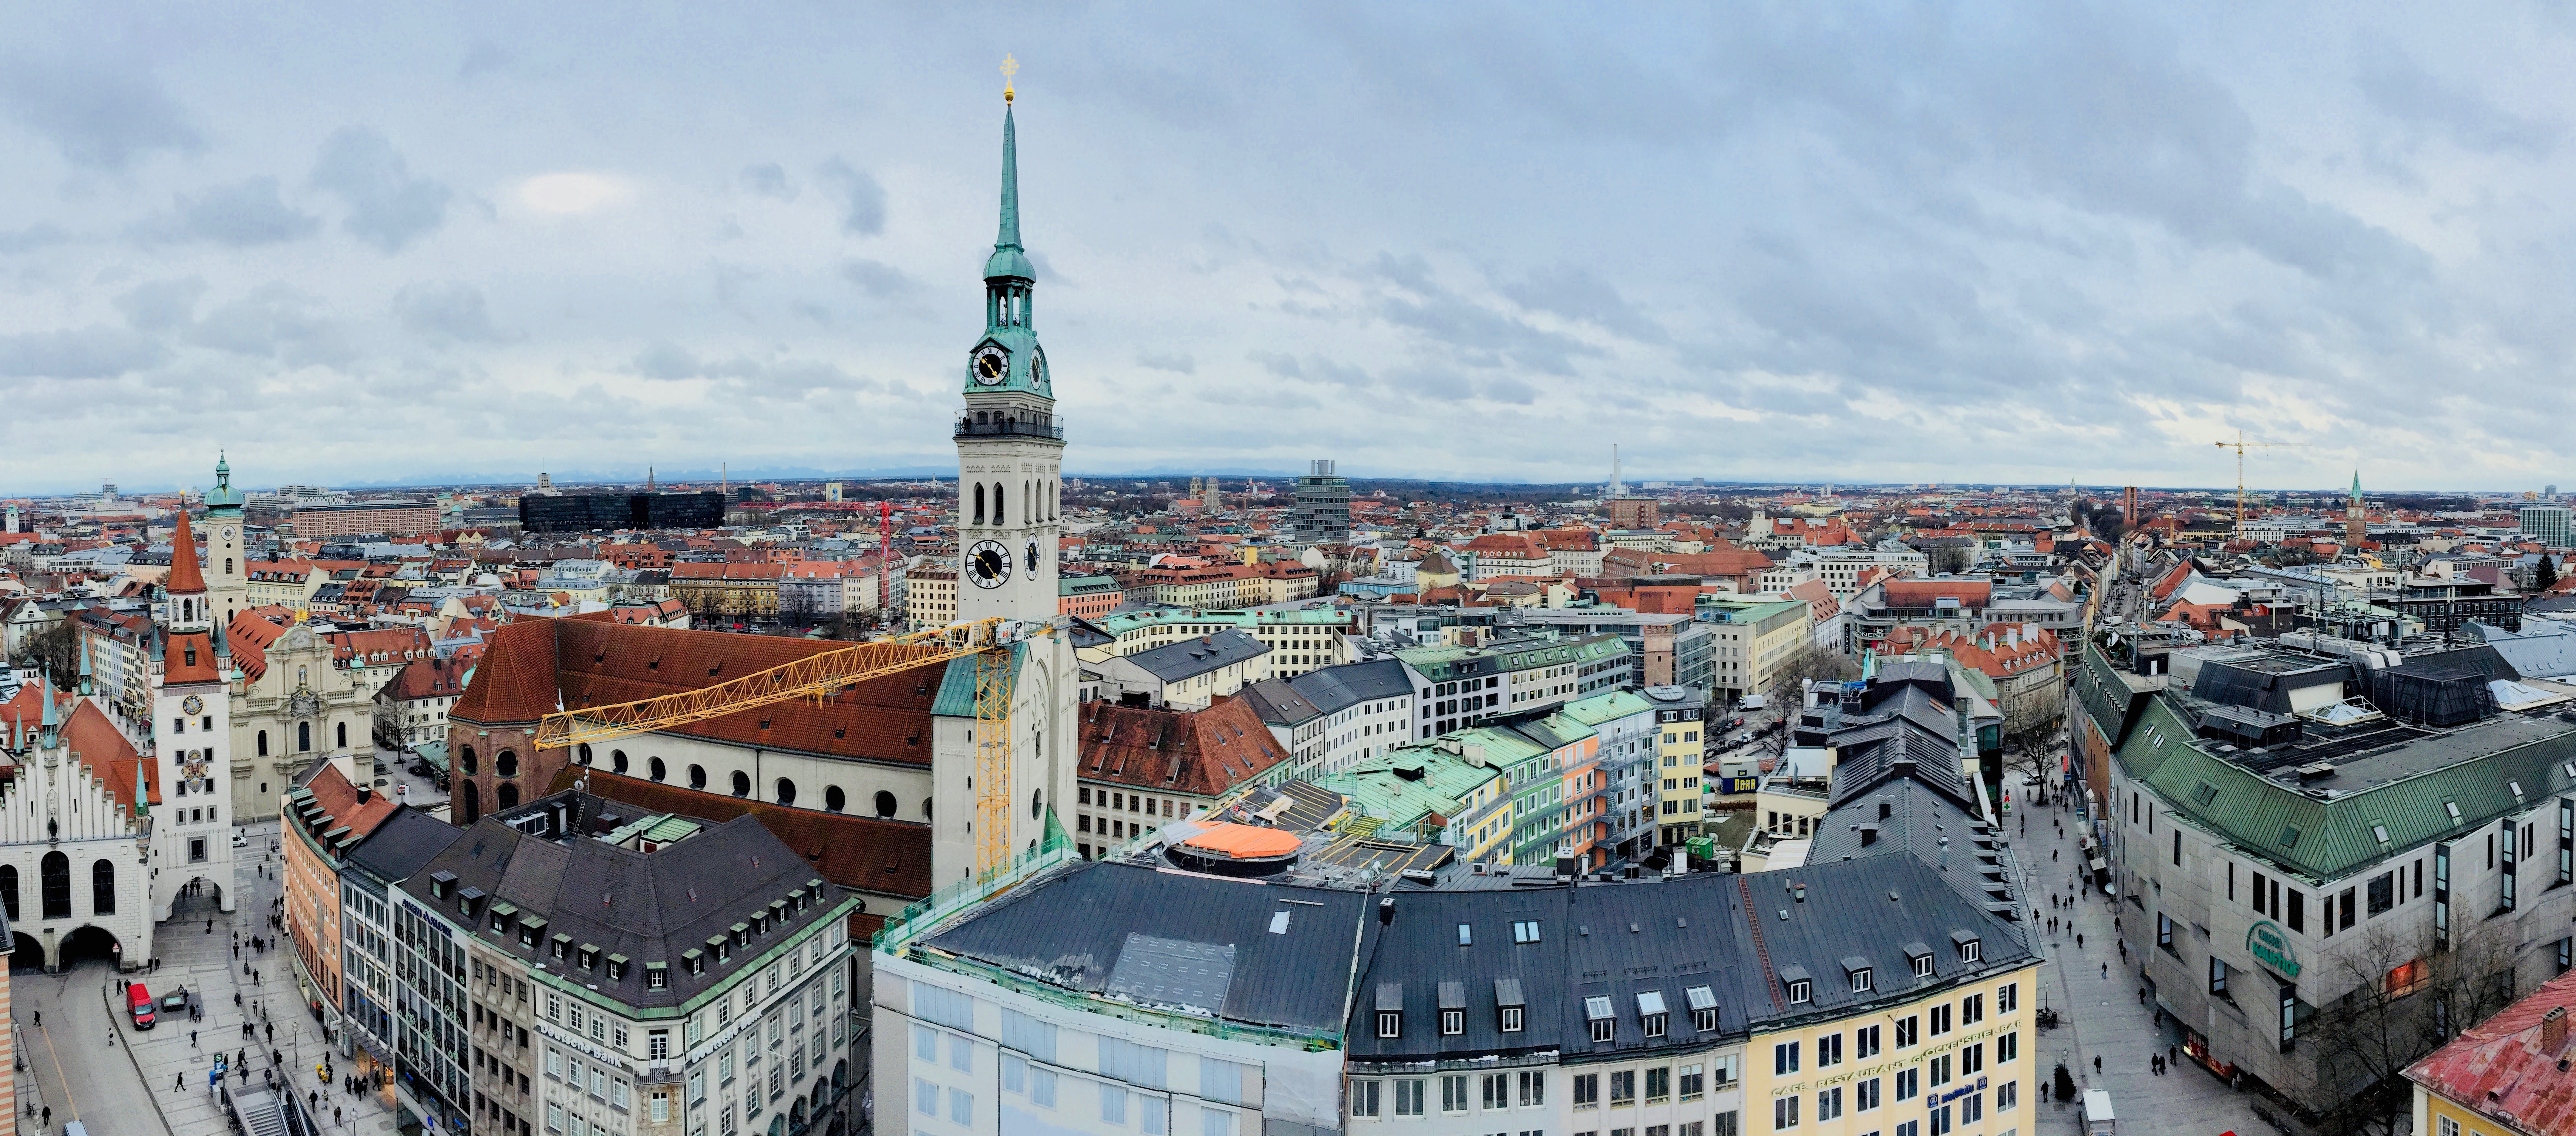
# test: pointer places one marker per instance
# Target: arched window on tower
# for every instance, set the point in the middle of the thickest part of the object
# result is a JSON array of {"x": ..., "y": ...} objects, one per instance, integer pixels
[
  {"x": 9, "y": 889},
  {"x": 304, "y": 737},
  {"x": 343, "y": 743},
  {"x": 102, "y": 888},
  {"x": 997, "y": 504},
  {"x": 228, "y": 566},
  {"x": 263, "y": 743},
  {"x": 979, "y": 502}
]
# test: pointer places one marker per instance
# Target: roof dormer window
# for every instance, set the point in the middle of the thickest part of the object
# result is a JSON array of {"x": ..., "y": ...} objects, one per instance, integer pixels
[
  {"x": 1970, "y": 949},
  {"x": 1703, "y": 1008},
  {"x": 1507, "y": 999},
  {"x": 1390, "y": 1009},
  {"x": 1801, "y": 986},
  {"x": 1605, "y": 1024},
  {"x": 1651, "y": 1013}
]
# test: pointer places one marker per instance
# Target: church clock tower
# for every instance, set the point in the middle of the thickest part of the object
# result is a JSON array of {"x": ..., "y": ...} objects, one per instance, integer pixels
[
  {"x": 227, "y": 570},
  {"x": 1009, "y": 445}
]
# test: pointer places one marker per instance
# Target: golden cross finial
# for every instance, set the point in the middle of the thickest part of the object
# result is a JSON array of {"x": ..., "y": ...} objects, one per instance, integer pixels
[{"x": 1010, "y": 67}]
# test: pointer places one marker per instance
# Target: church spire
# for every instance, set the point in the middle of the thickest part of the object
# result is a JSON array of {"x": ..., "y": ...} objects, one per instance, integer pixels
[
  {"x": 1009, "y": 260},
  {"x": 185, "y": 577}
]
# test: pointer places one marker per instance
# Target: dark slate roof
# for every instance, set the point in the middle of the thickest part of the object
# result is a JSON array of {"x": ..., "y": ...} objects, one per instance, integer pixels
[
  {"x": 1278, "y": 704},
  {"x": 1419, "y": 952},
  {"x": 1202, "y": 945},
  {"x": 1190, "y": 658},
  {"x": 649, "y": 906},
  {"x": 1626, "y": 941},
  {"x": 402, "y": 843},
  {"x": 1909, "y": 815},
  {"x": 1338, "y": 688},
  {"x": 1114, "y": 929}
]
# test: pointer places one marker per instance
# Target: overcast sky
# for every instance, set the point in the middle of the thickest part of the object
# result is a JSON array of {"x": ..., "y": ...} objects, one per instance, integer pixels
[{"x": 1976, "y": 243}]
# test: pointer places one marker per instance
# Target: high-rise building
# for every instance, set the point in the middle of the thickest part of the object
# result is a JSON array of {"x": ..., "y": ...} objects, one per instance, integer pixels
[
  {"x": 2551, "y": 525},
  {"x": 1322, "y": 513}
]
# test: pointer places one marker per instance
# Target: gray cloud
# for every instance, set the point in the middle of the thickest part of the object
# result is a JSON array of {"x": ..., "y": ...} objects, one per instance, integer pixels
[
  {"x": 2403, "y": 90},
  {"x": 94, "y": 352},
  {"x": 877, "y": 278},
  {"x": 388, "y": 207},
  {"x": 37, "y": 236},
  {"x": 274, "y": 321},
  {"x": 99, "y": 113},
  {"x": 862, "y": 200},
  {"x": 1177, "y": 362},
  {"x": 769, "y": 179},
  {"x": 162, "y": 305},
  {"x": 453, "y": 311},
  {"x": 241, "y": 214}
]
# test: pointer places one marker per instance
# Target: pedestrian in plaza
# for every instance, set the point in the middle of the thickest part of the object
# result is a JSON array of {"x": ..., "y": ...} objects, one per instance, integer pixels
[
  {"x": 49, "y": 1116},
  {"x": 192, "y": 1039},
  {"x": 40, "y": 1019},
  {"x": 2106, "y": 970},
  {"x": 179, "y": 1083},
  {"x": 335, "y": 1115},
  {"x": 2097, "y": 1066},
  {"x": 2173, "y": 1053}
]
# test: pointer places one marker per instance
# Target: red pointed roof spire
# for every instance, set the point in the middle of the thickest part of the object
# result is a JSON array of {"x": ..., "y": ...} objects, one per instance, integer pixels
[{"x": 185, "y": 577}]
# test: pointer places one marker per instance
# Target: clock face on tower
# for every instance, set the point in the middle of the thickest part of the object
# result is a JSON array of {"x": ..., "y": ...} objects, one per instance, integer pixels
[
  {"x": 192, "y": 706},
  {"x": 991, "y": 365},
  {"x": 1037, "y": 369},
  {"x": 988, "y": 564},
  {"x": 228, "y": 532}
]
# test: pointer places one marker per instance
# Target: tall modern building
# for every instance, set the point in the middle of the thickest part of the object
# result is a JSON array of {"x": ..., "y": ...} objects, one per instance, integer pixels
[
  {"x": 2550, "y": 524},
  {"x": 1322, "y": 514}
]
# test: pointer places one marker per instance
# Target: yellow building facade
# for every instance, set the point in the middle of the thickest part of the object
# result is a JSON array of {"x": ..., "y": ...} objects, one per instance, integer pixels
[{"x": 1960, "y": 1061}]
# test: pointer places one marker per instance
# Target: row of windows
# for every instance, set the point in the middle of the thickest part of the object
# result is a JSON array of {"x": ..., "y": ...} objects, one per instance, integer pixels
[{"x": 1864, "y": 1097}]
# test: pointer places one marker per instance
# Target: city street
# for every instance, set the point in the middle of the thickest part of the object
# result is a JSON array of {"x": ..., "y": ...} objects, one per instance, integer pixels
[
  {"x": 154, "y": 1082},
  {"x": 2103, "y": 1018}
]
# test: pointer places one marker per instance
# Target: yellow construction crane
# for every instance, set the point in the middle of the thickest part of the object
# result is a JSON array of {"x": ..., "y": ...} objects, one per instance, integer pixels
[
  {"x": 2239, "y": 445},
  {"x": 822, "y": 675}
]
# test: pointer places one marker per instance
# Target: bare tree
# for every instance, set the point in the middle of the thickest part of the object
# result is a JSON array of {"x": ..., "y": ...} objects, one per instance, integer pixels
[
  {"x": 1788, "y": 680},
  {"x": 2030, "y": 735},
  {"x": 2406, "y": 998},
  {"x": 56, "y": 651}
]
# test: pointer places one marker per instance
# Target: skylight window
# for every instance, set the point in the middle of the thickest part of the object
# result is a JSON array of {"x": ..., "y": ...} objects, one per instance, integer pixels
[
  {"x": 2380, "y": 831},
  {"x": 1525, "y": 930},
  {"x": 2453, "y": 808}
]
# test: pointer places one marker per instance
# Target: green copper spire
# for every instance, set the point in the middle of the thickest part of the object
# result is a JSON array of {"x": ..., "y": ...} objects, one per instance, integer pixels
[
  {"x": 1007, "y": 358},
  {"x": 2356, "y": 485},
  {"x": 1009, "y": 260}
]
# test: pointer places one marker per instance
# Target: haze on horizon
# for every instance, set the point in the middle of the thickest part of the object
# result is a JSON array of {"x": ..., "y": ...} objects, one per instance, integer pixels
[{"x": 1975, "y": 244}]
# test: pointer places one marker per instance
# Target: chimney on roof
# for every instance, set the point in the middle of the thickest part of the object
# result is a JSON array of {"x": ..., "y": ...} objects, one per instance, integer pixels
[{"x": 2553, "y": 1030}]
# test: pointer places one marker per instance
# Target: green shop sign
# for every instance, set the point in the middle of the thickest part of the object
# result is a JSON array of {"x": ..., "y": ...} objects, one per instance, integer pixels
[{"x": 2268, "y": 946}]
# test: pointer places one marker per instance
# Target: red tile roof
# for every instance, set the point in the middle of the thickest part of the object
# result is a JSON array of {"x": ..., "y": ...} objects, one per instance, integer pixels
[
  {"x": 534, "y": 667},
  {"x": 1205, "y": 752},
  {"x": 2501, "y": 1067},
  {"x": 184, "y": 579}
]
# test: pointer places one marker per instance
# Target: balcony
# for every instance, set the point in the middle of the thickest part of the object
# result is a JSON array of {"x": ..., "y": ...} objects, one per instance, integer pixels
[{"x": 1006, "y": 423}]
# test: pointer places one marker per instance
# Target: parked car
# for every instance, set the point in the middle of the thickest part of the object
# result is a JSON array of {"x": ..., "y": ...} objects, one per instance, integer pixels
[{"x": 138, "y": 1002}]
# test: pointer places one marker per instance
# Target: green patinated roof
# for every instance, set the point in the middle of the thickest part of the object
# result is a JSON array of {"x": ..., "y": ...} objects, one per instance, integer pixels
[
  {"x": 956, "y": 696},
  {"x": 1447, "y": 781},
  {"x": 1439, "y": 664},
  {"x": 2335, "y": 838},
  {"x": 1120, "y": 623},
  {"x": 1609, "y": 707},
  {"x": 2107, "y": 700}
]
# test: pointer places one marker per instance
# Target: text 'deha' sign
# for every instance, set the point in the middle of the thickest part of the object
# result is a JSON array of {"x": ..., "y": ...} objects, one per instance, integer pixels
[{"x": 2271, "y": 948}]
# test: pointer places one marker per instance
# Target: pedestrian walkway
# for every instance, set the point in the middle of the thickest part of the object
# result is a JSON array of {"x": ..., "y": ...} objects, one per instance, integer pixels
[
  {"x": 2103, "y": 1017},
  {"x": 176, "y": 1057}
]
